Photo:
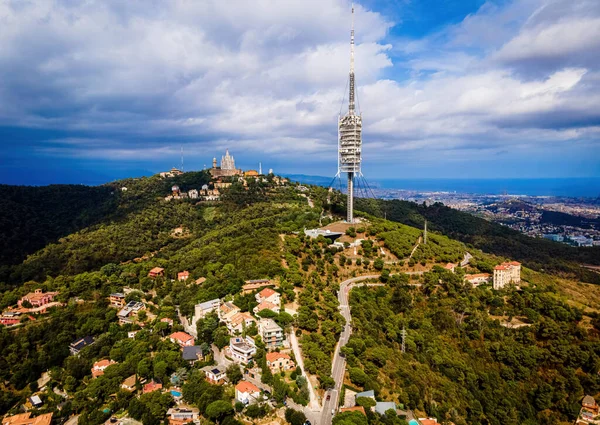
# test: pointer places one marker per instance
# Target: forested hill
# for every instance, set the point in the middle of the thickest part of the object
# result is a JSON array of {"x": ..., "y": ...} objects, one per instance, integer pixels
[
  {"x": 538, "y": 254},
  {"x": 32, "y": 217}
]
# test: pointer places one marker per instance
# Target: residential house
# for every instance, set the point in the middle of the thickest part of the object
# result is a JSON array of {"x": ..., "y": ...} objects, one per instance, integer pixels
[
  {"x": 268, "y": 294},
  {"x": 10, "y": 318},
  {"x": 36, "y": 401},
  {"x": 253, "y": 285},
  {"x": 76, "y": 346},
  {"x": 26, "y": 419},
  {"x": 129, "y": 383},
  {"x": 117, "y": 299},
  {"x": 227, "y": 310},
  {"x": 131, "y": 334},
  {"x": 181, "y": 338},
  {"x": 588, "y": 403},
  {"x": 183, "y": 276},
  {"x": 266, "y": 305},
  {"x": 182, "y": 415},
  {"x": 242, "y": 349},
  {"x": 38, "y": 298},
  {"x": 383, "y": 406},
  {"x": 478, "y": 278},
  {"x": 240, "y": 321},
  {"x": 203, "y": 309},
  {"x": 156, "y": 272},
  {"x": 506, "y": 274},
  {"x": 192, "y": 354},
  {"x": 99, "y": 367},
  {"x": 246, "y": 392},
  {"x": 200, "y": 281},
  {"x": 131, "y": 309},
  {"x": 151, "y": 386},
  {"x": 193, "y": 194},
  {"x": 271, "y": 333},
  {"x": 167, "y": 321},
  {"x": 278, "y": 362},
  {"x": 450, "y": 267},
  {"x": 215, "y": 374}
]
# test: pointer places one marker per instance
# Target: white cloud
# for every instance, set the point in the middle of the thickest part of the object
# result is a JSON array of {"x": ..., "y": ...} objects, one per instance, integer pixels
[{"x": 269, "y": 75}]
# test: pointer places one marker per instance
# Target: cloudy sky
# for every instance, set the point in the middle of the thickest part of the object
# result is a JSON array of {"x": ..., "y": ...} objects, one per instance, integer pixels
[{"x": 96, "y": 90}]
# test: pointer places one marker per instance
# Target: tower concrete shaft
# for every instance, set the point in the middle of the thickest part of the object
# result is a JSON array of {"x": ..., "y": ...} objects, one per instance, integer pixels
[{"x": 350, "y": 216}]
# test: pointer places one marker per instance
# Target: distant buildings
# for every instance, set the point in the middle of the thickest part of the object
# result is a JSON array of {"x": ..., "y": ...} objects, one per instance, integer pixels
[
  {"x": 37, "y": 298},
  {"x": 99, "y": 367},
  {"x": 253, "y": 285},
  {"x": 507, "y": 273},
  {"x": 117, "y": 299},
  {"x": 156, "y": 272},
  {"x": 227, "y": 168},
  {"x": 76, "y": 346},
  {"x": 478, "y": 278},
  {"x": 183, "y": 276}
]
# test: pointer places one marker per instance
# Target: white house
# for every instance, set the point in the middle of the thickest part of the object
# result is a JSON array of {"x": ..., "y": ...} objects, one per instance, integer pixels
[
  {"x": 268, "y": 294},
  {"x": 242, "y": 349},
  {"x": 246, "y": 392}
]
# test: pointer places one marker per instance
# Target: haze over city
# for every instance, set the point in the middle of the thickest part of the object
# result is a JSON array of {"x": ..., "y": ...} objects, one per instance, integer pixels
[{"x": 96, "y": 91}]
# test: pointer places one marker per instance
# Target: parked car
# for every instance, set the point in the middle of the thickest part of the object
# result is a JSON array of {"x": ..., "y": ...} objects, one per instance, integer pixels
[{"x": 328, "y": 397}]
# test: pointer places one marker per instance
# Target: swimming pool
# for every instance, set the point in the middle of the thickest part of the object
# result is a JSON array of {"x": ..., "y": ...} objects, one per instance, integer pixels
[
  {"x": 413, "y": 422},
  {"x": 176, "y": 394}
]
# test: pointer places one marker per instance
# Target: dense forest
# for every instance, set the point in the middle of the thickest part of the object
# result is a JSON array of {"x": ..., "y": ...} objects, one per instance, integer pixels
[{"x": 461, "y": 364}]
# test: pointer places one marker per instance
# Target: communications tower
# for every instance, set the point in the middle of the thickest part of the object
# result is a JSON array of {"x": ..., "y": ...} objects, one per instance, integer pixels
[{"x": 349, "y": 135}]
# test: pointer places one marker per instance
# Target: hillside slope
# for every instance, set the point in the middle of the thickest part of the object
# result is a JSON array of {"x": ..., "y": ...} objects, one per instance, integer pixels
[{"x": 538, "y": 254}]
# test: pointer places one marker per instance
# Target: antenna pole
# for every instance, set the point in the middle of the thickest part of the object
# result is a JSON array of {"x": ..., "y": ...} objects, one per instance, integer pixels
[{"x": 351, "y": 97}]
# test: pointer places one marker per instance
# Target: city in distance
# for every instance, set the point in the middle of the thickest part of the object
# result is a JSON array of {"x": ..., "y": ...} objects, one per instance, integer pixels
[{"x": 302, "y": 212}]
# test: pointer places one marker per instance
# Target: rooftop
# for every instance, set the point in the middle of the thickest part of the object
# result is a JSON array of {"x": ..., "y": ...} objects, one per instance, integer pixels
[{"x": 247, "y": 387}]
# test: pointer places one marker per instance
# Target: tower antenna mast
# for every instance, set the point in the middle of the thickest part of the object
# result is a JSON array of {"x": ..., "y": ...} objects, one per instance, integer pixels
[{"x": 350, "y": 135}]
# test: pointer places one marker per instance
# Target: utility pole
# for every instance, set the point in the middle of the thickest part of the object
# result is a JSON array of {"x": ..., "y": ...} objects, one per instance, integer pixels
[
  {"x": 403, "y": 333},
  {"x": 425, "y": 233}
]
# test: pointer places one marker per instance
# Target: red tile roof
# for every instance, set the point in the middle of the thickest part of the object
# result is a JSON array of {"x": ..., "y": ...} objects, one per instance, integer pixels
[
  {"x": 181, "y": 337},
  {"x": 247, "y": 387},
  {"x": 266, "y": 293},
  {"x": 272, "y": 357}
]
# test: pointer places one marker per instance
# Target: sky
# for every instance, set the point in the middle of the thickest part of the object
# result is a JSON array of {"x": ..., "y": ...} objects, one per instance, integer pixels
[{"x": 92, "y": 91}]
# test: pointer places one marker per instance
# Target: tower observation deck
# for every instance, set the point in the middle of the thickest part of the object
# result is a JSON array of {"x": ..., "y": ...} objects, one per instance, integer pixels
[{"x": 350, "y": 135}]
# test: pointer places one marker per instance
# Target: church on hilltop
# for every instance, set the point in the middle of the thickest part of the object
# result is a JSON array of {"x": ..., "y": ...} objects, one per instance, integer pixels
[{"x": 227, "y": 168}]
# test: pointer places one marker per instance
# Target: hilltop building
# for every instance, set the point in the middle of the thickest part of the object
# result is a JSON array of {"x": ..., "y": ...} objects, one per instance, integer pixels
[
  {"x": 227, "y": 168},
  {"x": 507, "y": 273}
]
